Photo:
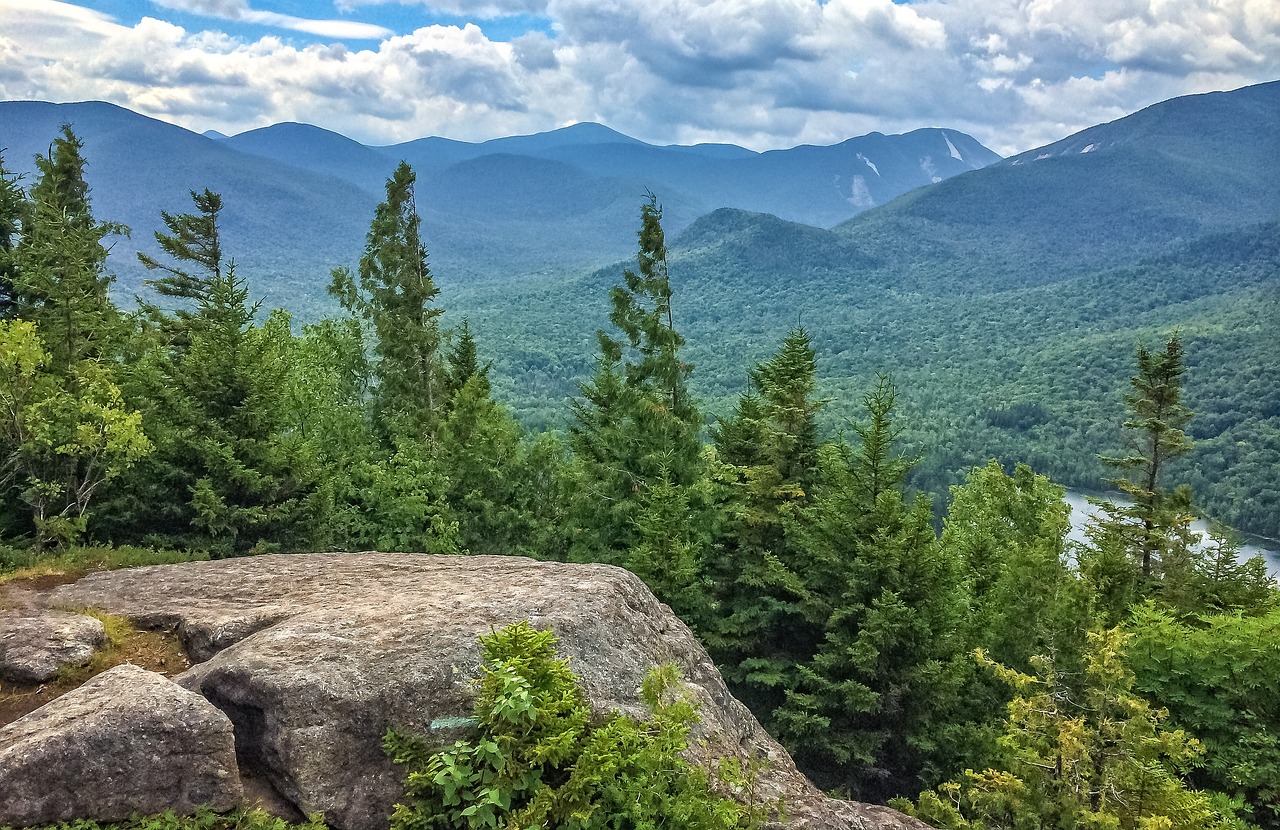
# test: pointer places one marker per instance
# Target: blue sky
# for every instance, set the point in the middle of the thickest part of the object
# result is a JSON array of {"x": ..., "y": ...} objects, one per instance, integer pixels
[
  {"x": 394, "y": 18},
  {"x": 761, "y": 73}
]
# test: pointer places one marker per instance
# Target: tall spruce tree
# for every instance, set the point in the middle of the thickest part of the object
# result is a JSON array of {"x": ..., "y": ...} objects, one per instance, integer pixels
[
  {"x": 13, "y": 205},
  {"x": 1146, "y": 547},
  {"x": 231, "y": 473},
  {"x": 395, "y": 294},
  {"x": 635, "y": 435},
  {"x": 866, "y": 712},
  {"x": 1156, "y": 437},
  {"x": 768, "y": 450},
  {"x": 59, "y": 261},
  {"x": 193, "y": 243},
  {"x": 79, "y": 431}
]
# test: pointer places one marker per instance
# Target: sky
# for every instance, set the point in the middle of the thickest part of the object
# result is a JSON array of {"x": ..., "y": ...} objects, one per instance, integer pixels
[{"x": 1015, "y": 74}]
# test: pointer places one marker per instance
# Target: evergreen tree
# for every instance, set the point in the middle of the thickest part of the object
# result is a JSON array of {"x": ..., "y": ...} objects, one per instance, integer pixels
[
  {"x": 636, "y": 428},
  {"x": 60, "y": 261},
  {"x": 769, "y": 455},
  {"x": 13, "y": 205},
  {"x": 867, "y": 713},
  {"x": 1009, "y": 533},
  {"x": 194, "y": 244},
  {"x": 395, "y": 293},
  {"x": 233, "y": 472},
  {"x": 1155, "y": 429},
  {"x": 57, "y": 263}
]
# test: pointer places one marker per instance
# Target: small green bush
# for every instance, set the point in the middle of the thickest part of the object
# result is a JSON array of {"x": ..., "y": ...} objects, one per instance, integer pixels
[{"x": 537, "y": 761}]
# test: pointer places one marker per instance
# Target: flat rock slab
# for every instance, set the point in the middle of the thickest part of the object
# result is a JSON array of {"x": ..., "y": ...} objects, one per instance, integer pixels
[
  {"x": 314, "y": 657},
  {"x": 128, "y": 741},
  {"x": 36, "y": 644}
]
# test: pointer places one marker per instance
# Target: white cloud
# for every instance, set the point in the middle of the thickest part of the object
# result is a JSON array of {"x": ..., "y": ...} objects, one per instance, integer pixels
[{"x": 765, "y": 73}]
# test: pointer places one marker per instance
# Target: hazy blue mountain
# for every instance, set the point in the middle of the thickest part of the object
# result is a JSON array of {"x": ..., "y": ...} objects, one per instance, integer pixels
[
  {"x": 816, "y": 185},
  {"x": 284, "y": 226},
  {"x": 437, "y": 152},
  {"x": 317, "y": 150},
  {"x": 299, "y": 198},
  {"x": 1162, "y": 176}
]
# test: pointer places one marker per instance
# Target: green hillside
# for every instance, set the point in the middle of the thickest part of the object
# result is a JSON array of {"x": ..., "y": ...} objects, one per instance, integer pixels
[{"x": 1034, "y": 373}]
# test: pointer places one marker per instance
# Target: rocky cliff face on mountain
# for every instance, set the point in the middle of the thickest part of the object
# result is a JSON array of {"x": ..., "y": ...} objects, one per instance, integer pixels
[{"x": 312, "y": 658}]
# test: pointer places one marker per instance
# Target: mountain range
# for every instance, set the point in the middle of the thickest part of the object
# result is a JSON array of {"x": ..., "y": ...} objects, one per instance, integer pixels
[
  {"x": 1005, "y": 299},
  {"x": 298, "y": 198},
  {"x": 1006, "y": 303}
]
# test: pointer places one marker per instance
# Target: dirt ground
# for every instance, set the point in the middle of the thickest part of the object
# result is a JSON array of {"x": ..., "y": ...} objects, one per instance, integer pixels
[{"x": 157, "y": 651}]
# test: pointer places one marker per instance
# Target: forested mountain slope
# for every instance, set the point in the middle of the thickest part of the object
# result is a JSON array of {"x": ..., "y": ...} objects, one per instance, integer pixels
[{"x": 1006, "y": 302}]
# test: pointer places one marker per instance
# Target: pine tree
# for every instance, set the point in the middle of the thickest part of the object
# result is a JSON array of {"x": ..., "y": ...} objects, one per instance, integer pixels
[
  {"x": 769, "y": 455},
  {"x": 1147, "y": 547},
  {"x": 78, "y": 432},
  {"x": 866, "y": 711},
  {"x": 1156, "y": 437},
  {"x": 636, "y": 426},
  {"x": 395, "y": 293},
  {"x": 231, "y": 472},
  {"x": 194, "y": 244},
  {"x": 13, "y": 205},
  {"x": 60, "y": 261}
]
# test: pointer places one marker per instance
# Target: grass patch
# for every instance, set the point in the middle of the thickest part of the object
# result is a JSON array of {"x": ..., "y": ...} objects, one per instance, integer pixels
[
  {"x": 203, "y": 819},
  {"x": 73, "y": 563},
  {"x": 157, "y": 651}
]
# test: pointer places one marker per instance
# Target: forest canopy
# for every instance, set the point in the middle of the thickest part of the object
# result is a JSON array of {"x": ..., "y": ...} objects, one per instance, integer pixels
[{"x": 972, "y": 657}]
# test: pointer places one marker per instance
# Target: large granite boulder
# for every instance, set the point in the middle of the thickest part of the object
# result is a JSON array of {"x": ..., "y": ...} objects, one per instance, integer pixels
[
  {"x": 313, "y": 657},
  {"x": 128, "y": 741},
  {"x": 35, "y": 645}
]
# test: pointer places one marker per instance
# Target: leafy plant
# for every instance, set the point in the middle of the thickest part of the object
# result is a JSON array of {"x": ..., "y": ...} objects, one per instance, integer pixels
[
  {"x": 1094, "y": 757},
  {"x": 537, "y": 760}
]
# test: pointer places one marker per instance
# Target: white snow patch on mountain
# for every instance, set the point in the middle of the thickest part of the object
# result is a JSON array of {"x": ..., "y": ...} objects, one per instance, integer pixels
[
  {"x": 926, "y": 167},
  {"x": 1090, "y": 148},
  {"x": 860, "y": 195},
  {"x": 868, "y": 163},
  {"x": 955, "y": 154},
  {"x": 1043, "y": 156}
]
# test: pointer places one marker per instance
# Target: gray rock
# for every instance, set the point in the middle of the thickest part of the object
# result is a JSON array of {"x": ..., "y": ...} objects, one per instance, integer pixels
[
  {"x": 36, "y": 644},
  {"x": 128, "y": 741},
  {"x": 314, "y": 657}
]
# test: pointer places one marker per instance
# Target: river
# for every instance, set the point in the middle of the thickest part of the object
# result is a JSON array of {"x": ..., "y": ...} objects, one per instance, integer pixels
[{"x": 1081, "y": 510}]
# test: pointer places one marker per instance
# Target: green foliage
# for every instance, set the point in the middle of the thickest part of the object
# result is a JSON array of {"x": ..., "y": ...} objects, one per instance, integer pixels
[
  {"x": 20, "y": 564},
  {"x": 1097, "y": 757},
  {"x": 538, "y": 761},
  {"x": 1156, "y": 437},
  {"x": 1219, "y": 677},
  {"x": 193, "y": 240},
  {"x": 395, "y": 293},
  {"x": 13, "y": 204},
  {"x": 635, "y": 437},
  {"x": 864, "y": 713},
  {"x": 232, "y": 473},
  {"x": 767, "y": 468},
  {"x": 1010, "y": 535},
  {"x": 63, "y": 434},
  {"x": 202, "y": 819}
]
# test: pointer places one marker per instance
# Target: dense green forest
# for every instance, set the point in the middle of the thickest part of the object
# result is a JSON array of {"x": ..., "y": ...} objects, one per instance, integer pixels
[
  {"x": 970, "y": 658},
  {"x": 986, "y": 365}
]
